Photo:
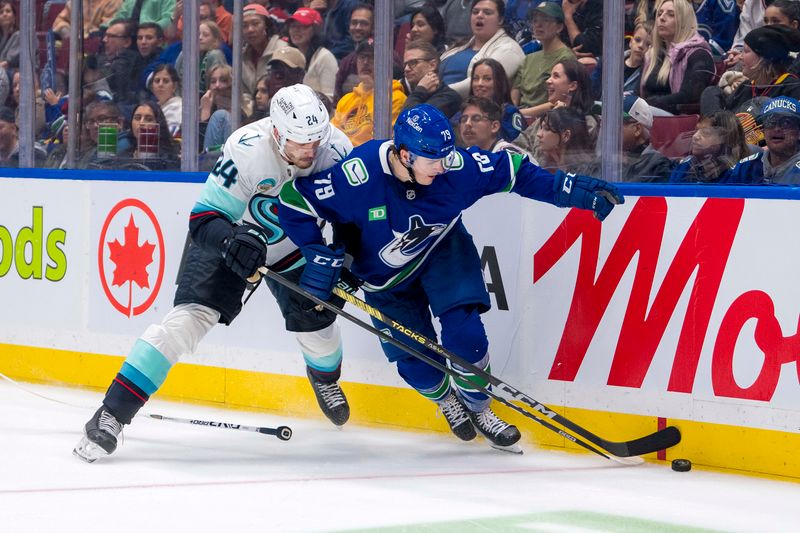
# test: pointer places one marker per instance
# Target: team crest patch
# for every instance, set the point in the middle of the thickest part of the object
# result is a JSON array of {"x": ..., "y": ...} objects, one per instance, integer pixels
[
  {"x": 266, "y": 185},
  {"x": 355, "y": 171}
]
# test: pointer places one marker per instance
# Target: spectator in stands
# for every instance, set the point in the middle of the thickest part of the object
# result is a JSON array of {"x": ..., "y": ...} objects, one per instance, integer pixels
[
  {"x": 149, "y": 44},
  {"x": 640, "y": 43},
  {"x": 785, "y": 12},
  {"x": 9, "y": 138},
  {"x": 9, "y": 35},
  {"x": 40, "y": 120},
  {"x": 679, "y": 65},
  {"x": 562, "y": 142},
  {"x": 355, "y": 110},
  {"x": 644, "y": 10},
  {"x": 96, "y": 15},
  {"x": 421, "y": 81},
  {"x": 517, "y": 22},
  {"x": 567, "y": 86},
  {"x": 529, "y": 90},
  {"x": 215, "y": 107},
  {"x": 212, "y": 10},
  {"x": 261, "y": 101},
  {"x": 336, "y": 14},
  {"x": 167, "y": 152},
  {"x": 361, "y": 29},
  {"x": 489, "y": 81},
  {"x": 751, "y": 17},
  {"x": 305, "y": 34},
  {"x": 778, "y": 163},
  {"x": 717, "y": 145},
  {"x": 640, "y": 161},
  {"x": 479, "y": 125},
  {"x": 209, "y": 40},
  {"x": 427, "y": 25},
  {"x": 158, "y": 11},
  {"x": 260, "y": 43},
  {"x": 584, "y": 22},
  {"x": 118, "y": 61},
  {"x": 717, "y": 22},
  {"x": 287, "y": 67},
  {"x": 489, "y": 39},
  {"x": 457, "y": 28},
  {"x": 765, "y": 61},
  {"x": 164, "y": 83},
  {"x": 97, "y": 113}
]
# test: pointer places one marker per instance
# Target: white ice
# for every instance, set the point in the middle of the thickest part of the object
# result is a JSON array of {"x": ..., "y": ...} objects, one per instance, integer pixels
[{"x": 175, "y": 477}]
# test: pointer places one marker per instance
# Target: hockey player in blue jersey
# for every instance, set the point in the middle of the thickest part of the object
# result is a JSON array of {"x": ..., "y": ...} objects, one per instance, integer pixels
[{"x": 412, "y": 251}]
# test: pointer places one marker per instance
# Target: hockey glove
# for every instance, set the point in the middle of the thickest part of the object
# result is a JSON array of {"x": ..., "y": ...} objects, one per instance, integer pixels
[
  {"x": 585, "y": 192},
  {"x": 245, "y": 250},
  {"x": 322, "y": 269}
]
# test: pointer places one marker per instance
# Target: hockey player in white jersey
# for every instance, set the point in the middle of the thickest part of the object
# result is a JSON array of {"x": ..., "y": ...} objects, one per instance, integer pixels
[{"x": 235, "y": 230}]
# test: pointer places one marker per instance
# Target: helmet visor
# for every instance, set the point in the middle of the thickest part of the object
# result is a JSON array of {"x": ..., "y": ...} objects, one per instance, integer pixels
[{"x": 426, "y": 166}]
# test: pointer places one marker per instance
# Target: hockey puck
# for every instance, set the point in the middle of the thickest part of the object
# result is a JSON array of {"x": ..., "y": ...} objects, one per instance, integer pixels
[{"x": 681, "y": 465}]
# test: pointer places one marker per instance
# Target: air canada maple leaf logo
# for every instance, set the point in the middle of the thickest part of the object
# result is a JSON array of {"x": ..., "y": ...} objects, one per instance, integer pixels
[{"x": 132, "y": 257}]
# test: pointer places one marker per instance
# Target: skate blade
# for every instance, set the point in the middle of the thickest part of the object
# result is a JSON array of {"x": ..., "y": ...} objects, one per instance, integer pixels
[
  {"x": 514, "y": 448},
  {"x": 88, "y": 451}
]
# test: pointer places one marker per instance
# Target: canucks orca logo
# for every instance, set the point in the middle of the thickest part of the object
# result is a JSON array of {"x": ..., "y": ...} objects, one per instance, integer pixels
[{"x": 406, "y": 246}]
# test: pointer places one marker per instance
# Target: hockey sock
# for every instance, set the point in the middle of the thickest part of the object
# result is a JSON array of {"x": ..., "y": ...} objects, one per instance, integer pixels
[{"x": 124, "y": 399}]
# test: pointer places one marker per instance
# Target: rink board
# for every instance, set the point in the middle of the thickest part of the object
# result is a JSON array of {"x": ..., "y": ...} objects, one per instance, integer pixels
[{"x": 675, "y": 310}]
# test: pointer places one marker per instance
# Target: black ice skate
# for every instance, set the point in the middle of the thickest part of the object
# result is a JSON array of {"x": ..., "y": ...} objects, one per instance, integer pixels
[
  {"x": 100, "y": 436},
  {"x": 456, "y": 415},
  {"x": 330, "y": 398},
  {"x": 500, "y": 434}
]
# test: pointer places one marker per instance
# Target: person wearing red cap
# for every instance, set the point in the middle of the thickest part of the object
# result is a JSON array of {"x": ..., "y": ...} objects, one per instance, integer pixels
[
  {"x": 260, "y": 44},
  {"x": 305, "y": 34}
]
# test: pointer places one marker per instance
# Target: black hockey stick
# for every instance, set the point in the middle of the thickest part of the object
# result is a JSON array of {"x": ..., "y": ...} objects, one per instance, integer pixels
[
  {"x": 282, "y": 432},
  {"x": 659, "y": 440}
]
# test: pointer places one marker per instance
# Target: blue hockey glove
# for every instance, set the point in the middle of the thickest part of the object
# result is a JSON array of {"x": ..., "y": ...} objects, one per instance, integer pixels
[
  {"x": 245, "y": 250},
  {"x": 585, "y": 192},
  {"x": 322, "y": 269}
]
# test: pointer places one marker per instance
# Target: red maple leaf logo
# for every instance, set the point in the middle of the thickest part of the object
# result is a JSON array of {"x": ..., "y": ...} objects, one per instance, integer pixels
[{"x": 131, "y": 260}]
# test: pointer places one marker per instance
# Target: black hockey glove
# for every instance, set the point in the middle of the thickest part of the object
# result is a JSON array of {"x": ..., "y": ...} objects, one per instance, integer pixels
[
  {"x": 322, "y": 269},
  {"x": 584, "y": 192},
  {"x": 245, "y": 250}
]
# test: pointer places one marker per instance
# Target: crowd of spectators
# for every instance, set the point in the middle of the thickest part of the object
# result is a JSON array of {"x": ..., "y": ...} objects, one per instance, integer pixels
[{"x": 710, "y": 90}]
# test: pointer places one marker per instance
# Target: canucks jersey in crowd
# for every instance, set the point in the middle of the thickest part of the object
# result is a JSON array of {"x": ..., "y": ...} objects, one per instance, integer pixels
[{"x": 400, "y": 222}]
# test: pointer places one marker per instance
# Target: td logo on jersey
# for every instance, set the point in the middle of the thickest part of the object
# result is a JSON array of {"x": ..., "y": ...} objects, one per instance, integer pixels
[{"x": 131, "y": 252}]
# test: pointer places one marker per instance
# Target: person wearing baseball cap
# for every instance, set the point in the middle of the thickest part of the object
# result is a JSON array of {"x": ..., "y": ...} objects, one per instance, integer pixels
[
  {"x": 766, "y": 63},
  {"x": 780, "y": 119},
  {"x": 641, "y": 162},
  {"x": 260, "y": 43},
  {"x": 287, "y": 67},
  {"x": 529, "y": 90},
  {"x": 305, "y": 34}
]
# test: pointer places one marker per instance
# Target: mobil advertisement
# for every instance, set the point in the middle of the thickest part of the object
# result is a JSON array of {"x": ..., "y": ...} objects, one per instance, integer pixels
[{"x": 686, "y": 308}]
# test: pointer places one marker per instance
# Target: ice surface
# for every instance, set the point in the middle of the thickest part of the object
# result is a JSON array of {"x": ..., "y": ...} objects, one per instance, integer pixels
[{"x": 176, "y": 477}]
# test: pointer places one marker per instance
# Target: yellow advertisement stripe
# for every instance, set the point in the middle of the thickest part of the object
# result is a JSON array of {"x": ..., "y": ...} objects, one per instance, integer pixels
[{"x": 751, "y": 451}]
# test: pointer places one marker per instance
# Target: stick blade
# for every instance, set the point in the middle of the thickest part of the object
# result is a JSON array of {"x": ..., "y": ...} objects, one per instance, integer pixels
[{"x": 660, "y": 440}]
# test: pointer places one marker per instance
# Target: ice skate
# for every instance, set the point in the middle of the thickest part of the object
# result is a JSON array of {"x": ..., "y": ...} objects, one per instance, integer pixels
[
  {"x": 456, "y": 415},
  {"x": 331, "y": 399},
  {"x": 501, "y": 435},
  {"x": 100, "y": 436}
]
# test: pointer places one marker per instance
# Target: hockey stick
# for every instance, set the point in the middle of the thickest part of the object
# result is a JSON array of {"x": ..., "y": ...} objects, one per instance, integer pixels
[
  {"x": 659, "y": 440},
  {"x": 282, "y": 432}
]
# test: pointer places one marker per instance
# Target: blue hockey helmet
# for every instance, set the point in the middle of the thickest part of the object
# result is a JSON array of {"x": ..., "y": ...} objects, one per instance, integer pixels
[{"x": 424, "y": 131}]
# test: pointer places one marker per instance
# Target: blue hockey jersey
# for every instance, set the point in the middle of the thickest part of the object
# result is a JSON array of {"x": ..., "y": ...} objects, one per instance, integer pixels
[{"x": 399, "y": 222}]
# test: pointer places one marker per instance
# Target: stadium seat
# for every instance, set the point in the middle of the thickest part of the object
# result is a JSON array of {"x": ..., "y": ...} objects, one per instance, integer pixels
[{"x": 672, "y": 136}]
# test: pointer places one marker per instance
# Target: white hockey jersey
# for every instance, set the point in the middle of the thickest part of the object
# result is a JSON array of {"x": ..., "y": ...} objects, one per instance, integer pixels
[{"x": 245, "y": 183}]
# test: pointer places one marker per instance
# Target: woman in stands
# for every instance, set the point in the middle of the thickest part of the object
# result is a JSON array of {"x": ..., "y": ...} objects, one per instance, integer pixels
[
  {"x": 427, "y": 25},
  {"x": 679, "y": 65},
  {"x": 568, "y": 86},
  {"x": 717, "y": 145},
  {"x": 765, "y": 62},
  {"x": 215, "y": 107},
  {"x": 9, "y": 35},
  {"x": 164, "y": 83},
  {"x": 562, "y": 142},
  {"x": 489, "y": 39},
  {"x": 209, "y": 41},
  {"x": 305, "y": 34},
  {"x": 489, "y": 80},
  {"x": 156, "y": 150}
]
